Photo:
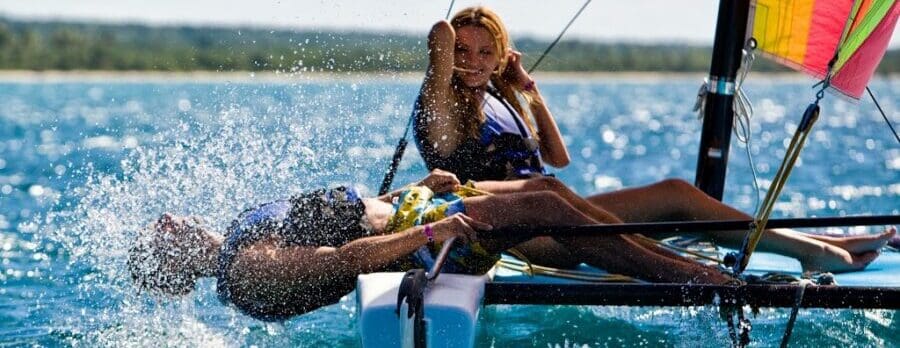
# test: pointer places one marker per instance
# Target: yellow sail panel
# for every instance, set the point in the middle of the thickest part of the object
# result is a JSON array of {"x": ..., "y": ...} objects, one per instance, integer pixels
[{"x": 781, "y": 29}]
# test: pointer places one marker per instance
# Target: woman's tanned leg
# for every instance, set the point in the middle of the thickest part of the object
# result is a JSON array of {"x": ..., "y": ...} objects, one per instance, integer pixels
[
  {"x": 677, "y": 200},
  {"x": 616, "y": 253}
]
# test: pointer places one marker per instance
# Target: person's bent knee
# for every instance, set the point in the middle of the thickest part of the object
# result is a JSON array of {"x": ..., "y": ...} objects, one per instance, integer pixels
[
  {"x": 676, "y": 186},
  {"x": 528, "y": 206},
  {"x": 545, "y": 183},
  {"x": 544, "y": 199}
]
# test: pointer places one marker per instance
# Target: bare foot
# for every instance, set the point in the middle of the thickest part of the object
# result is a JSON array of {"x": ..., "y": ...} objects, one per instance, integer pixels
[
  {"x": 895, "y": 242},
  {"x": 836, "y": 259},
  {"x": 859, "y": 244}
]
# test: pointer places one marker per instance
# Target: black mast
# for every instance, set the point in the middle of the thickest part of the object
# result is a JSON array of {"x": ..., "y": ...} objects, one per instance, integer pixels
[{"x": 712, "y": 160}]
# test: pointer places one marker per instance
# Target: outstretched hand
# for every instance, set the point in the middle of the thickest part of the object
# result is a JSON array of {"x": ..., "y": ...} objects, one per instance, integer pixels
[
  {"x": 440, "y": 181},
  {"x": 459, "y": 225}
]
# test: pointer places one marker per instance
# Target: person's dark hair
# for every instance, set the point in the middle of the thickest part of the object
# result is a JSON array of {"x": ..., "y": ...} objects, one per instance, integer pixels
[{"x": 332, "y": 217}]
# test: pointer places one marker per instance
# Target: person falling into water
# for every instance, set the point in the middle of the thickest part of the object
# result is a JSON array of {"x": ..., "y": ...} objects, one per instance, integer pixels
[{"x": 289, "y": 257}]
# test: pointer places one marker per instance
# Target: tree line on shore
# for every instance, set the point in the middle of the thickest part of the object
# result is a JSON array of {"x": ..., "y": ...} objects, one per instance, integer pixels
[{"x": 55, "y": 45}]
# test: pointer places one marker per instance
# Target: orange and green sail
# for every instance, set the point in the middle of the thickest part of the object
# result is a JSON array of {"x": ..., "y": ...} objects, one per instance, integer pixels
[{"x": 806, "y": 34}]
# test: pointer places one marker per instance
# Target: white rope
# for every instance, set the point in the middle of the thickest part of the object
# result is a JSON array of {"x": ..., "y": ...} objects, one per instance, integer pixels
[{"x": 743, "y": 110}]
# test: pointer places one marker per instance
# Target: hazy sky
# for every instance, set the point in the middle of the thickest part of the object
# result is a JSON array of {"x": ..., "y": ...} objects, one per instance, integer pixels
[
  {"x": 630, "y": 20},
  {"x": 682, "y": 20}
]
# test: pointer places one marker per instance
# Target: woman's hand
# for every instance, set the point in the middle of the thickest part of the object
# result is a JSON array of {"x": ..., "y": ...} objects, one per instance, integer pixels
[
  {"x": 515, "y": 73},
  {"x": 553, "y": 148},
  {"x": 440, "y": 181},
  {"x": 459, "y": 225}
]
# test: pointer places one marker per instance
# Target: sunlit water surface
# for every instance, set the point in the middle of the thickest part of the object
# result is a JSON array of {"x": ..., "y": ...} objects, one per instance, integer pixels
[{"x": 83, "y": 165}]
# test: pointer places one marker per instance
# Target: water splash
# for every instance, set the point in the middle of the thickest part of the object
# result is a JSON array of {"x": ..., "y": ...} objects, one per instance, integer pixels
[{"x": 211, "y": 171}]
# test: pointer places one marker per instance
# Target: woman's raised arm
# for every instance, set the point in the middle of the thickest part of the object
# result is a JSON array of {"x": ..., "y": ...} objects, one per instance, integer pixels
[
  {"x": 435, "y": 98},
  {"x": 553, "y": 148}
]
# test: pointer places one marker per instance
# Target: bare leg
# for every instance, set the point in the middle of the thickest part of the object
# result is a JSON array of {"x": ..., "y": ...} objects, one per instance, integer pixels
[
  {"x": 552, "y": 184},
  {"x": 685, "y": 202},
  {"x": 597, "y": 212},
  {"x": 546, "y": 250},
  {"x": 617, "y": 254},
  {"x": 674, "y": 200},
  {"x": 859, "y": 244},
  {"x": 677, "y": 200}
]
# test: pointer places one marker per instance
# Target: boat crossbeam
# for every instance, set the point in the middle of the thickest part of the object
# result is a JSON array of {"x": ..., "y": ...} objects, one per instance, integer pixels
[{"x": 756, "y": 295}]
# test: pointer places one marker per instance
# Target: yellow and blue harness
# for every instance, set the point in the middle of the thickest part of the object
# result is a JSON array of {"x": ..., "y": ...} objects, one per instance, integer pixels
[{"x": 418, "y": 205}]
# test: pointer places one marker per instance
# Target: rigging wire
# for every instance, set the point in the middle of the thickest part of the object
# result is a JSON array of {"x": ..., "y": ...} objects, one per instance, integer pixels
[
  {"x": 449, "y": 9},
  {"x": 558, "y": 37},
  {"x": 798, "y": 299},
  {"x": 888, "y": 121},
  {"x": 401, "y": 145}
]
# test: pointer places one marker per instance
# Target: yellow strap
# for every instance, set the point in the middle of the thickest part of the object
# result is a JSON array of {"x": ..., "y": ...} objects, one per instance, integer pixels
[
  {"x": 469, "y": 188},
  {"x": 518, "y": 254}
]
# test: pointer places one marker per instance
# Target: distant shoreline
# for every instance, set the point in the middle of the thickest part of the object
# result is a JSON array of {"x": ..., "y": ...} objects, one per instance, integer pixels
[{"x": 23, "y": 76}]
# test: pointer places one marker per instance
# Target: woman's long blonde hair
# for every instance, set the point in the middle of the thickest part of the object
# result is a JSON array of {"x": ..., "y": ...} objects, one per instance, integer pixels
[{"x": 469, "y": 112}]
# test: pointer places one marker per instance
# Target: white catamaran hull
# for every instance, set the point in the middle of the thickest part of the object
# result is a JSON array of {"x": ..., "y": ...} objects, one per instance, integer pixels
[
  {"x": 452, "y": 302},
  {"x": 451, "y": 310}
]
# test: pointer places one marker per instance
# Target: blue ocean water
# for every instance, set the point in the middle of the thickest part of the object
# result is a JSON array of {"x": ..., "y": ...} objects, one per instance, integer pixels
[{"x": 85, "y": 164}]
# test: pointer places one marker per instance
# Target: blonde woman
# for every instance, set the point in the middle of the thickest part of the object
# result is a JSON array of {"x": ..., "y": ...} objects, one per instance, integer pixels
[{"x": 479, "y": 113}]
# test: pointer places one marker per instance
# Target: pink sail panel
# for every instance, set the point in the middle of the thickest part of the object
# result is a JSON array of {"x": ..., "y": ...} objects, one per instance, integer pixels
[
  {"x": 854, "y": 75},
  {"x": 829, "y": 18}
]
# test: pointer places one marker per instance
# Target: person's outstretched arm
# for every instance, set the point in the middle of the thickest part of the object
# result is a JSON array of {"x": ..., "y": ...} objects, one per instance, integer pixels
[
  {"x": 292, "y": 280},
  {"x": 437, "y": 180}
]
